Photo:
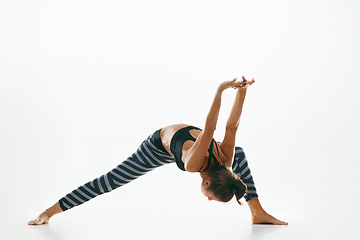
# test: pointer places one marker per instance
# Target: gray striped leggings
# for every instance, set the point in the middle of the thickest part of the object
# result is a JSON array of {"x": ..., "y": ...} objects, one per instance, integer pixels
[{"x": 150, "y": 155}]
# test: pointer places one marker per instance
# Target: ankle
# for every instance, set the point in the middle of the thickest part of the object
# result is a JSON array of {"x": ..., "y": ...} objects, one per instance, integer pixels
[{"x": 257, "y": 213}]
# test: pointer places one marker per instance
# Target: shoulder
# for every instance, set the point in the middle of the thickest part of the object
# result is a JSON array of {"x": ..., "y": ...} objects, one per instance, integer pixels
[{"x": 221, "y": 157}]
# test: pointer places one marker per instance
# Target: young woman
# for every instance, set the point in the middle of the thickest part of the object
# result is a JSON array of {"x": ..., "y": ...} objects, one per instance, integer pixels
[{"x": 193, "y": 150}]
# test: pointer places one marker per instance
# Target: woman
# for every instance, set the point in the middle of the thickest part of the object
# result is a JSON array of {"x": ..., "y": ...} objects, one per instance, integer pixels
[{"x": 193, "y": 150}]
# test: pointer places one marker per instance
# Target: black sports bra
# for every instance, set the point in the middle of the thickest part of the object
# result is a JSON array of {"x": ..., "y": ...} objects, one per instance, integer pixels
[{"x": 177, "y": 142}]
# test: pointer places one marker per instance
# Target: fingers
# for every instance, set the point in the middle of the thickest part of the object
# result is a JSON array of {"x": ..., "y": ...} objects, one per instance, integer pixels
[
  {"x": 227, "y": 84},
  {"x": 236, "y": 84},
  {"x": 34, "y": 222},
  {"x": 233, "y": 83},
  {"x": 243, "y": 84},
  {"x": 37, "y": 221}
]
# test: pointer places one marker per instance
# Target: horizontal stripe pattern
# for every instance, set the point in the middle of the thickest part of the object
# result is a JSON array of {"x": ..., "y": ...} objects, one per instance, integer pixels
[
  {"x": 145, "y": 159},
  {"x": 241, "y": 169}
]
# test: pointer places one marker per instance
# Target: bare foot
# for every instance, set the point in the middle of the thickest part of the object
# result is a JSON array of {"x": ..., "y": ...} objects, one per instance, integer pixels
[
  {"x": 265, "y": 218},
  {"x": 41, "y": 219}
]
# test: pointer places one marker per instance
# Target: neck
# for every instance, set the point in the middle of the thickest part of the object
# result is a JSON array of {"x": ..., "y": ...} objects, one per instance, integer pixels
[{"x": 204, "y": 175}]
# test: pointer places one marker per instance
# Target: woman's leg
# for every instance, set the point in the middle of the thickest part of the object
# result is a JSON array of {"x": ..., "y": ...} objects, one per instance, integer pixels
[
  {"x": 241, "y": 169},
  {"x": 149, "y": 156}
]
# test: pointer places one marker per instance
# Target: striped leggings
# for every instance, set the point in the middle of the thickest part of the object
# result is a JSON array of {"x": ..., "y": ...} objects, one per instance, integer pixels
[{"x": 150, "y": 155}]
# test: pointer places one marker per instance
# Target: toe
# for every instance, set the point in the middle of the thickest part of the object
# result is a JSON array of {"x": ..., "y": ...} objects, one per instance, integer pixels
[{"x": 278, "y": 222}]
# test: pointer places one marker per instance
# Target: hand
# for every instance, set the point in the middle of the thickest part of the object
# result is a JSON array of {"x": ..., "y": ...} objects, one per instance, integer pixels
[
  {"x": 244, "y": 84},
  {"x": 43, "y": 218},
  {"x": 227, "y": 84}
]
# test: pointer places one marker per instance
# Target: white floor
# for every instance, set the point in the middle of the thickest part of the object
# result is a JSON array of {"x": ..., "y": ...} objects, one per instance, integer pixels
[
  {"x": 82, "y": 83},
  {"x": 134, "y": 222},
  {"x": 167, "y": 204}
]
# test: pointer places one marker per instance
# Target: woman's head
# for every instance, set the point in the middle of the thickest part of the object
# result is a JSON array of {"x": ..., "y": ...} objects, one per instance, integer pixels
[{"x": 220, "y": 184}]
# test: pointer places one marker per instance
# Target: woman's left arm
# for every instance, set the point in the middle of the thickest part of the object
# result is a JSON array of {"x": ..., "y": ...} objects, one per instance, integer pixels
[{"x": 228, "y": 144}]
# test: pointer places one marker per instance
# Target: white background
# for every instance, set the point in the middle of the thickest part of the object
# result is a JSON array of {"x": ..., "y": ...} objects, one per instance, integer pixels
[{"x": 82, "y": 83}]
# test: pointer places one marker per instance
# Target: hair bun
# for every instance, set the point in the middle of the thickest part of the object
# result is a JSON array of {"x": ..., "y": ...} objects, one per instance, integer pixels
[{"x": 239, "y": 189}]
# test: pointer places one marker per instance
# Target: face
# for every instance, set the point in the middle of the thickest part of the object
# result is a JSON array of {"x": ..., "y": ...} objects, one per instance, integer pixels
[{"x": 206, "y": 192}]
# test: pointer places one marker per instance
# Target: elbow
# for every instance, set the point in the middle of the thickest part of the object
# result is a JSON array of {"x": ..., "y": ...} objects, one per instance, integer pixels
[
  {"x": 210, "y": 128},
  {"x": 210, "y": 124},
  {"x": 232, "y": 127}
]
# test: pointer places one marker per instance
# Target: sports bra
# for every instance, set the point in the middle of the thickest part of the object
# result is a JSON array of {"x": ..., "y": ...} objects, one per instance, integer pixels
[{"x": 177, "y": 142}]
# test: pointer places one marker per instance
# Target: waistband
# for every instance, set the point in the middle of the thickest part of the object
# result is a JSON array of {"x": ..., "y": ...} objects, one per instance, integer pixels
[{"x": 158, "y": 142}]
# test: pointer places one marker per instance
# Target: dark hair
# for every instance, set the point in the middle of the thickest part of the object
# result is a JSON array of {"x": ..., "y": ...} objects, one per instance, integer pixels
[{"x": 224, "y": 184}]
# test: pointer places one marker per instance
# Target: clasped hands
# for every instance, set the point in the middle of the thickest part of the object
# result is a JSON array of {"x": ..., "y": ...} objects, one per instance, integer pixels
[{"x": 241, "y": 85}]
